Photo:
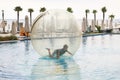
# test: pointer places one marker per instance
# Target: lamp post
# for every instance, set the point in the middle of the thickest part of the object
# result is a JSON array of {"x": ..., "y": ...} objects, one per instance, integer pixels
[{"x": 2, "y": 15}]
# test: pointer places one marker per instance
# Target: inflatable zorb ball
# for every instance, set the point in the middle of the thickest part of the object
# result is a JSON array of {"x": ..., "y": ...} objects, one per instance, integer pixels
[{"x": 53, "y": 29}]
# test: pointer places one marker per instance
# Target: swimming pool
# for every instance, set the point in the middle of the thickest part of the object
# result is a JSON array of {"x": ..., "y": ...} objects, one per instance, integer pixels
[{"x": 98, "y": 58}]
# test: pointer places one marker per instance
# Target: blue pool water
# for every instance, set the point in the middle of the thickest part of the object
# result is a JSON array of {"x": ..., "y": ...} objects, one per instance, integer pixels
[{"x": 98, "y": 58}]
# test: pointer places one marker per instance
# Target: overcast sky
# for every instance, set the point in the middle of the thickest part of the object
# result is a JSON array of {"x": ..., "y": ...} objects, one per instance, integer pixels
[{"x": 78, "y": 6}]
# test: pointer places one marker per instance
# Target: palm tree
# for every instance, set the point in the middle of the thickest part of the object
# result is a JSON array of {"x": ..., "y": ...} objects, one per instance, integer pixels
[
  {"x": 86, "y": 13},
  {"x": 43, "y": 9},
  {"x": 111, "y": 18},
  {"x": 94, "y": 12},
  {"x": 69, "y": 9},
  {"x": 30, "y": 10},
  {"x": 18, "y": 9},
  {"x": 104, "y": 10}
]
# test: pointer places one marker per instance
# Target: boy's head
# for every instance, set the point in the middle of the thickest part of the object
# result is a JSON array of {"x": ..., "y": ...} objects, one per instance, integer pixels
[{"x": 65, "y": 47}]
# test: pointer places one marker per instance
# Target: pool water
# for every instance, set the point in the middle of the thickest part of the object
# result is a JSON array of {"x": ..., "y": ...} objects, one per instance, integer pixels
[{"x": 98, "y": 58}]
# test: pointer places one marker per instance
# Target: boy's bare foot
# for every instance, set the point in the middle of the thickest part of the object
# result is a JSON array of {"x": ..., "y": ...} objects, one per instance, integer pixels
[
  {"x": 48, "y": 49},
  {"x": 49, "y": 52}
]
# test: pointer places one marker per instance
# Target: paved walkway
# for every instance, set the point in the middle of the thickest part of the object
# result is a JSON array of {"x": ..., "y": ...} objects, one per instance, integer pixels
[
  {"x": 20, "y": 38},
  {"x": 8, "y": 35}
]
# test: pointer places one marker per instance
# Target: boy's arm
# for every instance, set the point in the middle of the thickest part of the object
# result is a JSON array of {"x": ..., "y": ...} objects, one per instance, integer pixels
[{"x": 69, "y": 53}]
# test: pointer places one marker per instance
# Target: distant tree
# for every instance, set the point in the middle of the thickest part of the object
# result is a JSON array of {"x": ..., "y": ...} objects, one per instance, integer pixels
[
  {"x": 43, "y": 9},
  {"x": 94, "y": 12},
  {"x": 69, "y": 9},
  {"x": 104, "y": 10},
  {"x": 111, "y": 18},
  {"x": 18, "y": 9},
  {"x": 30, "y": 10},
  {"x": 86, "y": 13},
  {"x": 98, "y": 28}
]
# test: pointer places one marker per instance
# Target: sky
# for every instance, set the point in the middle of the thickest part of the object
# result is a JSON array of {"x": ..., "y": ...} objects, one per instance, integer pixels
[{"x": 78, "y": 6}]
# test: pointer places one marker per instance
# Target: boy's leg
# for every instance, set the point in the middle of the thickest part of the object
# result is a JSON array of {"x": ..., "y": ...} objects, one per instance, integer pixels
[{"x": 50, "y": 55}]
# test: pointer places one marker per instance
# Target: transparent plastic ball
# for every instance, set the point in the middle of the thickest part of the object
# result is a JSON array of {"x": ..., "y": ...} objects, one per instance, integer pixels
[{"x": 53, "y": 29}]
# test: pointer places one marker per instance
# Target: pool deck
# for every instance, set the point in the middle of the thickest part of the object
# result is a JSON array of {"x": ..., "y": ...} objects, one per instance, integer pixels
[
  {"x": 10, "y": 41},
  {"x": 93, "y": 34},
  {"x": 22, "y": 38}
]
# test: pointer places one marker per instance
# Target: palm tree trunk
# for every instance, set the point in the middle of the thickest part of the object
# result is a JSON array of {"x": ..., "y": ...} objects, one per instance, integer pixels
[
  {"x": 18, "y": 29},
  {"x": 94, "y": 22},
  {"x": 95, "y": 19},
  {"x": 111, "y": 25},
  {"x": 103, "y": 21},
  {"x": 86, "y": 23},
  {"x": 103, "y": 17},
  {"x": 30, "y": 19}
]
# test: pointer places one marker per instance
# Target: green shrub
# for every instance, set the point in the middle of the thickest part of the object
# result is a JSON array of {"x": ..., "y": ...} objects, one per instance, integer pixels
[
  {"x": 12, "y": 37},
  {"x": 1, "y": 38},
  {"x": 98, "y": 28},
  {"x": 6, "y": 38}
]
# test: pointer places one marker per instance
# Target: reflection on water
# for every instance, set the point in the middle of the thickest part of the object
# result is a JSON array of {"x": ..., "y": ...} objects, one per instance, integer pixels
[
  {"x": 55, "y": 69},
  {"x": 98, "y": 58},
  {"x": 27, "y": 45}
]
